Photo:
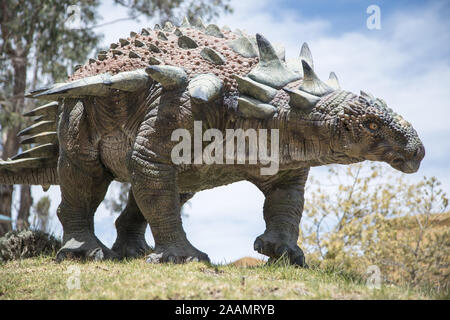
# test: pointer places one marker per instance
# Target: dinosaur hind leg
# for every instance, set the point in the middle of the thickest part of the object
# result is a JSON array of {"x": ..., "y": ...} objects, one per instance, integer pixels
[
  {"x": 131, "y": 225},
  {"x": 154, "y": 187},
  {"x": 81, "y": 193}
]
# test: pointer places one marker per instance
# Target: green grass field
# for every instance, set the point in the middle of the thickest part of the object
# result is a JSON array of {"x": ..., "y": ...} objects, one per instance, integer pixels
[{"x": 42, "y": 278}]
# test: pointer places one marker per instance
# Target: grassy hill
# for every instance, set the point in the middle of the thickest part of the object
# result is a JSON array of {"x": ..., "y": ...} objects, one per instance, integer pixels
[{"x": 42, "y": 278}]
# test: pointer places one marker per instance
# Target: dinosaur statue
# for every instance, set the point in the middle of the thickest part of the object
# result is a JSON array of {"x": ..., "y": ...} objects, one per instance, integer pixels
[{"x": 114, "y": 118}]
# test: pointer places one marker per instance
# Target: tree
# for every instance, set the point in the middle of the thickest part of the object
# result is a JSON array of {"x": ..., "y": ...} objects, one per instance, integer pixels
[
  {"x": 37, "y": 46},
  {"x": 378, "y": 217},
  {"x": 42, "y": 214}
]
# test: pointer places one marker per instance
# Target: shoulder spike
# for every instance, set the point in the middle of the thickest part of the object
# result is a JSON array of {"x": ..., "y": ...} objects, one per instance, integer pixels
[
  {"x": 301, "y": 100},
  {"x": 94, "y": 85},
  {"x": 102, "y": 56},
  {"x": 133, "y": 34},
  {"x": 48, "y": 150},
  {"x": 169, "y": 77},
  {"x": 252, "y": 108},
  {"x": 333, "y": 81},
  {"x": 187, "y": 43},
  {"x": 214, "y": 30},
  {"x": 92, "y": 60},
  {"x": 212, "y": 56},
  {"x": 205, "y": 88},
  {"x": 270, "y": 70},
  {"x": 305, "y": 54},
  {"x": 49, "y": 109},
  {"x": 244, "y": 47},
  {"x": 255, "y": 89},
  {"x": 98, "y": 85},
  {"x": 78, "y": 66},
  {"x": 113, "y": 45},
  {"x": 129, "y": 81},
  {"x": 157, "y": 27},
  {"x": 311, "y": 82}
]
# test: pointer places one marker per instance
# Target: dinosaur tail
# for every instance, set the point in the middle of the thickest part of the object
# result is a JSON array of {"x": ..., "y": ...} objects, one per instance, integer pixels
[{"x": 36, "y": 165}]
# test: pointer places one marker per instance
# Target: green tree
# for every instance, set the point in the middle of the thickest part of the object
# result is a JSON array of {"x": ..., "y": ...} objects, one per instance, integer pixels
[
  {"x": 38, "y": 46},
  {"x": 379, "y": 217}
]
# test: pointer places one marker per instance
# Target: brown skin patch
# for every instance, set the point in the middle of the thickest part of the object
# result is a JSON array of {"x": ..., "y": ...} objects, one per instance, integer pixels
[{"x": 171, "y": 54}]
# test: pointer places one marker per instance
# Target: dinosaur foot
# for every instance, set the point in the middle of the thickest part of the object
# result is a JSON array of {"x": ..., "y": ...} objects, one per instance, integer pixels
[
  {"x": 177, "y": 253},
  {"x": 130, "y": 247},
  {"x": 84, "y": 247},
  {"x": 276, "y": 246}
]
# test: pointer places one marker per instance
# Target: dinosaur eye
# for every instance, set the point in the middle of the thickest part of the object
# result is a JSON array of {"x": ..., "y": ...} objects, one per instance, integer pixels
[{"x": 373, "y": 126}]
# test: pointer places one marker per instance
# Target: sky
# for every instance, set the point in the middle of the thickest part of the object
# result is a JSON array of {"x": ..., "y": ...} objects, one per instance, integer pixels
[{"x": 406, "y": 62}]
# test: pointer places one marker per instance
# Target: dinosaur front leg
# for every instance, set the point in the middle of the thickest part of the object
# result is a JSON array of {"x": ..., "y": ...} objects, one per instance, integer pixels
[
  {"x": 156, "y": 193},
  {"x": 283, "y": 209}
]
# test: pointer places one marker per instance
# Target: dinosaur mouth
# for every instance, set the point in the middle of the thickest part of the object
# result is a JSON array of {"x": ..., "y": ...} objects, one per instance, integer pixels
[{"x": 405, "y": 166}]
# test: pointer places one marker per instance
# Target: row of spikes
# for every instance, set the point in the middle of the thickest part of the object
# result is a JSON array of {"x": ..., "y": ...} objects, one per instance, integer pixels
[
  {"x": 184, "y": 41},
  {"x": 131, "y": 81},
  {"x": 260, "y": 86},
  {"x": 43, "y": 135}
]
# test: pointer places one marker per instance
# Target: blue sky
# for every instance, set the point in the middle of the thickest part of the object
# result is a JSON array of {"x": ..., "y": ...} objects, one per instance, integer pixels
[{"x": 406, "y": 63}]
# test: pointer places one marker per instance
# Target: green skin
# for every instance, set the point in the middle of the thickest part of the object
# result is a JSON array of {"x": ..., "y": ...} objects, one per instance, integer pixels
[{"x": 341, "y": 128}]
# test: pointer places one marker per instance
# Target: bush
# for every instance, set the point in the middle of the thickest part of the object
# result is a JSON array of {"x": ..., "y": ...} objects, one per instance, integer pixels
[
  {"x": 27, "y": 244},
  {"x": 378, "y": 217}
]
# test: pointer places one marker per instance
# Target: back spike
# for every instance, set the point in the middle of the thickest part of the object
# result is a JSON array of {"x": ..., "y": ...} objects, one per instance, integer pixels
[
  {"x": 271, "y": 70},
  {"x": 333, "y": 81},
  {"x": 311, "y": 82},
  {"x": 169, "y": 77},
  {"x": 305, "y": 54}
]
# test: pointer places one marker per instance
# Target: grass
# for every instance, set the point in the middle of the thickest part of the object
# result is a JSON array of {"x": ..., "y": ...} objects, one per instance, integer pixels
[{"x": 42, "y": 278}]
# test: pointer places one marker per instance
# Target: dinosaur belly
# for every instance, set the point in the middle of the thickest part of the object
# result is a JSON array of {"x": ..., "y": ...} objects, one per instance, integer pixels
[{"x": 113, "y": 151}]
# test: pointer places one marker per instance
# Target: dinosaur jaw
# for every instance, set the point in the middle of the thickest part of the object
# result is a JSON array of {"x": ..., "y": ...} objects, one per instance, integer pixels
[{"x": 405, "y": 166}]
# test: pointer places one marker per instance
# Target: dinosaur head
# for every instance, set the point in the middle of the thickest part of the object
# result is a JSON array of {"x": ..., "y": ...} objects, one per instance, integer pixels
[
  {"x": 368, "y": 129},
  {"x": 358, "y": 127}
]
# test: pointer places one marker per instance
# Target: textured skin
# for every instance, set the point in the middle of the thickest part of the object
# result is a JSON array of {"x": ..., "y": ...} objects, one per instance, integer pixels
[{"x": 127, "y": 137}]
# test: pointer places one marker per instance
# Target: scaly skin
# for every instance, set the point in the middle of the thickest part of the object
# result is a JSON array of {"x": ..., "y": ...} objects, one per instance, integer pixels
[{"x": 118, "y": 135}]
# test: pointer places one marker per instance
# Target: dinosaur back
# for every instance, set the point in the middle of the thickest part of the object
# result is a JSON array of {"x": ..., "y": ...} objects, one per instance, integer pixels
[{"x": 198, "y": 49}]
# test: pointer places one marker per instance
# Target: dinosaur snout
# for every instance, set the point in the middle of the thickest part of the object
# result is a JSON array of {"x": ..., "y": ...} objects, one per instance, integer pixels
[{"x": 410, "y": 162}]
